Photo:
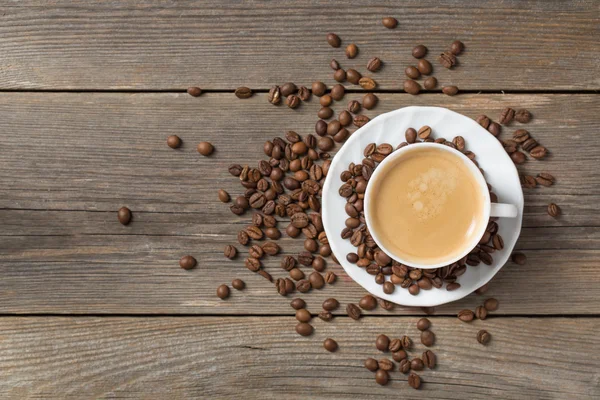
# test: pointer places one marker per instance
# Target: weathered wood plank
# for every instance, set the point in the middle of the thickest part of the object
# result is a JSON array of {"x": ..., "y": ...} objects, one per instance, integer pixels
[
  {"x": 84, "y": 151},
  {"x": 263, "y": 358},
  {"x": 140, "y": 274},
  {"x": 510, "y": 45}
]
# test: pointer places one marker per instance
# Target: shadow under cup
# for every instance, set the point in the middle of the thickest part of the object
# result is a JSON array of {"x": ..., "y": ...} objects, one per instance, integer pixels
[{"x": 427, "y": 205}]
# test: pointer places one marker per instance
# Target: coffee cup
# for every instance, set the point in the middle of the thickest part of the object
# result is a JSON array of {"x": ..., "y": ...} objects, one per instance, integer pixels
[{"x": 428, "y": 205}]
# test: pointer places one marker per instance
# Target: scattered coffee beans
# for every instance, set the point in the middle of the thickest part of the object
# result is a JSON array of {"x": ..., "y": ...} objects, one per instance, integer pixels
[
  {"x": 481, "y": 312},
  {"x": 187, "y": 262},
  {"x": 124, "y": 215}
]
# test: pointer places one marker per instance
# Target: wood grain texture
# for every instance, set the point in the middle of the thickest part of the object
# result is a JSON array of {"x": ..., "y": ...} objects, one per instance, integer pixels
[
  {"x": 263, "y": 358},
  {"x": 510, "y": 45}
]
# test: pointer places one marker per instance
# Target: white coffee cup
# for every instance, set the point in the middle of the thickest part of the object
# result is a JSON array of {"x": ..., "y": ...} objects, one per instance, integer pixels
[{"x": 489, "y": 209}]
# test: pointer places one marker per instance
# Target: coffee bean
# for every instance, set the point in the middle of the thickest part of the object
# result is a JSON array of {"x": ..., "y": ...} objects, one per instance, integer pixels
[
  {"x": 399, "y": 355},
  {"x": 319, "y": 264},
  {"x": 303, "y": 93},
  {"x": 353, "y": 106},
  {"x": 374, "y": 64},
  {"x": 414, "y": 381},
  {"x": 330, "y": 345},
  {"x": 254, "y": 232},
  {"x": 253, "y": 264},
  {"x": 538, "y": 152},
  {"x": 523, "y": 116},
  {"x": 371, "y": 364},
  {"x": 318, "y": 88},
  {"x": 223, "y": 196},
  {"x": 333, "y": 40},
  {"x": 194, "y": 91},
  {"x": 457, "y": 47},
  {"x": 450, "y": 90},
  {"x": 274, "y": 96},
  {"x": 243, "y": 238},
  {"x": 424, "y": 132},
  {"x": 369, "y": 101},
  {"x": 484, "y": 121},
  {"x": 411, "y": 87},
  {"x": 124, "y": 215},
  {"x": 518, "y": 157},
  {"x": 382, "y": 377},
  {"x": 545, "y": 179},
  {"x": 412, "y": 72},
  {"x": 337, "y": 92},
  {"x": 360, "y": 120},
  {"x": 303, "y": 315},
  {"x": 367, "y": 302},
  {"x": 389, "y": 22},
  {"x": 325, "y": 143},
  {"x": 316, "y": 280},
  {"x": 466, "y": 315},
  {"x": 256, "y": 251},
  {"x": 414, "y": 289},
  {"x": 430, "y": 83},
  {"x": 553, "y": 210},
  {"x": 506, "y": 116},
  {"x": 498, "y": 242},
  {"x": 238, "y": 284},
  {"x": 339, "y": 75},
  {"x": 406, "y": 342},
  {"x": 419, "y": 51},
  {"x": 447, "y": 59},
  {"x": 288, "y": 89},
  {"x": 427, "y": 338},
  {"x": 367, "y": 83},
  {"x": 388, "y": 287},
  {"x": 424, "y": 67},
  {"x": 243, "y": 92},
  {"x": 483, "y": 337},
  {"x": 187, "y": 262},
  {"x": 230, "y": 252},
  {"x": 416, "y": 364},
  {"x": 459, "y": 142},
  {"x": 353, "y": 311},
  {"x": 351, "y": 50},
  {"x": 304, "y": 329},
  {"x": 205, "y": 148},
  {"x": 480, "y": 312},
  {"x": 423, "y": 324},
  {"x": 292, "y": 101},
  {"x": 330, "y": 304},
  {"x": 404, "y": 365},
  {"x": 173, "y": 141},
  {"x": 298, "y": 304},
  {"x": 223, "y": 292}
]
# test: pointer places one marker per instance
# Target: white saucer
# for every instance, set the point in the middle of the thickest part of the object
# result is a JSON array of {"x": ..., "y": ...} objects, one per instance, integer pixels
[{"x": 500, "y": 172}]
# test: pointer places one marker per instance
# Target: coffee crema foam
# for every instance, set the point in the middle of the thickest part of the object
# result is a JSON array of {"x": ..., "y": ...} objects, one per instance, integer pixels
[{"x": 424, "y": 206}]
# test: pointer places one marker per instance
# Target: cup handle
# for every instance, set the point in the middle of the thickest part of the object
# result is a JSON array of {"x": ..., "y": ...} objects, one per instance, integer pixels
[{"x": 503, "y": 210}]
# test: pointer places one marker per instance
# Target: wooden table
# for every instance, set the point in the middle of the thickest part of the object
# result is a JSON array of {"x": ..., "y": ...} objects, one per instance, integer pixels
[{"x": 91, "y": 90}]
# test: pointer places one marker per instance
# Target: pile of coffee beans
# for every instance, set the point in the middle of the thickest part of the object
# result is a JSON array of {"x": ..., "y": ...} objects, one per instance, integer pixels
[
  {"x": 374, "y": 260},
  {"x": 424, "y": 68}
]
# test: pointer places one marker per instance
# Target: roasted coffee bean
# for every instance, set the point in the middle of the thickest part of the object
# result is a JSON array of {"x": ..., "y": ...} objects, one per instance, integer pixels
[
  {"x": 305, "y": 258},
  {"x": 388, "y": 287},
  {"x": 459, "y": 142},
  {"x": 353, "y": 76},
  {"x": 303, "y": 315},
  {"x": 316, "y": 280},
  {"x": 553, "y": 210},
  {"x": 389, "y": 22},
  {"x": 292, "y": 101},
  {"x": 243, "y": 92},
  {"x": 303, "y": 286},
  {"x": 223, "y": 292},
  {"x": 523, "y": 116},
  {"x": 482, "y": 289},
  {"x": 414, "y": 289},
  {"x": 274, "y": 95},
  {"x": 410, "y": 135},
  {"x": 360, "y": 120},
  {"x": 292, "y": 231},
  {"x": 545, "y": 179},
  {"x": 319, "y": 264},
  {"x": 498, "y": 242},
  {"x": 406, "y": 342},
  {"x": 318, "y": 88},
  {"x": 205, "y": 148},
  {"x": 491, "y": 304},
  {"x": 330, "y": 345},
  {"x": 194, "y": 91},
  {"x": 333, "y": 40},
  {"x": 339, "y": 75},
  {"x": 243, "y": 238},
  {"x": 345, "y": 118},
  {"x": 424, "y": 132},
  {"x": 253, "y": 264},
  {"x": 450, "y": 90},
  {"x": 414, "y": 381},
  {"x": 187, "y": 262},
  {"x": 374, "y": 64},
  {"x": 223, "y": 196},
  {"x": 379, "y": 277},
  {"x": 411, "y": 87},
  {"x": 230, "y": 252},
  {"x": 325, "y": 143},
  {"x": 288, "y": 89},
  {"x": 520, "y": 135},
  {"x": 386, "y": 305},
  {"x": 466, "y": 315},
  {"x": 296, "y": 274},
  {"x": 330, "y": 277},
  {"x": 394, "y": 345},
  {"x": 382, "y": 377},
  {"x": 429, "y": 359},
  {"x": 325, "y": 113},
  {"x": 173, "y": 141},
  {"x": 399, "y": 355},
  {"x": 353, "y": 311},
  {"x": 298, "y": 304},
  {"x": 333, "y": 127},
  {"x": 351, "y": 50},
  {"x": 404, "y": 365},
  {"x": 424, "y": 67},
  {"x": 367, "y": 83},
  {"x": 430, "y": 83},
  {"x": 325, "y": 316},
  {"x": 382, "y": 343},
  {"x": 483, "y": 337},
  {"x": 412, "y": 72},
  {"x": 419, "y": 51},
  {"x": 304, "y": 329},
  {"x": 518, "y": 157},
  {"x": 367, "y": 302},
  {"x": 353, "y": 106},
  {"x": 303, "y": 93},
  {"x": 238, "y": 284},
  {"x": 369, "y": 101},
  {"x": 288, "y": 262},
  {"x": 321, "y": 127},
  {"x": 506, "y": 116},
  {"x": 124, "y": 215},
  {"x": 457, "y": 47},
  {"x": 447, "y": 59},
  {"x": 254, "y": 232},
  {"x": 386, "y": 364},
  {"x": 256, "y": 251},
  {"x": 454, "y": 285},
  {"x": 538, "y": 152},
  {"x": 427, "y": 338},
  {"x": 484, "y": 121},
  {"x": 416, "y": 364},
  {"x": 480, "y": 312},
  {"x": 423, "y": 324},
  {"x": 371, "y": 364},
  {"x": 337, "y": 92},
  {"x": 330, "y": 304}
]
